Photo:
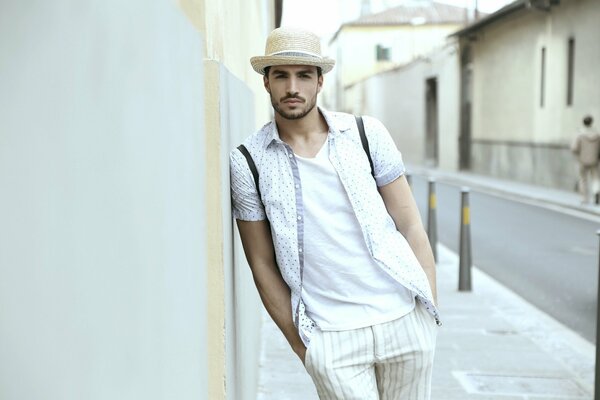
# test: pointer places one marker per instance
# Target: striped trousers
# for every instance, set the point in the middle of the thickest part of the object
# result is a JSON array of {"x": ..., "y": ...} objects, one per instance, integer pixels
[{"x": 388, "y": 361}]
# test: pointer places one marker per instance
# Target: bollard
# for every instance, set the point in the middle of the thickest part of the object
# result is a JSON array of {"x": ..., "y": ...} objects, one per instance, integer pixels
[
  {"x": 431, "y": 218},
  {"x": 464, "y": 270},
  {"x": 597, "y": 381}
]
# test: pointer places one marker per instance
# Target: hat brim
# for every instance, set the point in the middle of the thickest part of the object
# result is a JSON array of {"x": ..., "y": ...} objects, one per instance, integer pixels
[{"x": 259, "y": 63}]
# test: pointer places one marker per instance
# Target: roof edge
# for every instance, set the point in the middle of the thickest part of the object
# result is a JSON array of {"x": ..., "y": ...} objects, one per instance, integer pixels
[
  {"x": 357, "y": 23},
  {"x": 503, "y": 12}
]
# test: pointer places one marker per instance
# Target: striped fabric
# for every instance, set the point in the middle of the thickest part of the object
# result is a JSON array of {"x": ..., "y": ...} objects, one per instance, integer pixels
[{"x": 389, "y": 361}]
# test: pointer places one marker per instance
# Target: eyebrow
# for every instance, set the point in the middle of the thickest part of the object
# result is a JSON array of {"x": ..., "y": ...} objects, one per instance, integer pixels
[{"x": 302, "y": 71}]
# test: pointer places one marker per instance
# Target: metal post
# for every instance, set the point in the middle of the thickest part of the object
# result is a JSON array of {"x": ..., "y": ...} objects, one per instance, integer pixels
[
  {"x": 464, "y": 272},
  {"x": 597, "y": 378},
  {"x": 431, "y": 218}
]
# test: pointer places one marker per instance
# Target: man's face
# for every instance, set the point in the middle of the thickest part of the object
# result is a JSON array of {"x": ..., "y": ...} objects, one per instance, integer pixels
[{"x": 293, "y": 89}]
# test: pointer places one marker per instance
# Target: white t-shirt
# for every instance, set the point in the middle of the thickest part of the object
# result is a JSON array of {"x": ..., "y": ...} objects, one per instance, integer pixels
[{"x": 343, "y": 287}]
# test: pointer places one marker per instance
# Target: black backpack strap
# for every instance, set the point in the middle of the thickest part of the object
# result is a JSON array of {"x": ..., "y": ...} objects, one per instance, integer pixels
[
  {"x": 252, "y": 166},
  {"x": 365, "y": 142}
]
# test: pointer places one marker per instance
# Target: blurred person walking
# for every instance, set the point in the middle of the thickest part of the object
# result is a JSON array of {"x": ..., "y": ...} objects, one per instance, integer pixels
[
  {"x": 333, "y": 236},
  {"x": 586, "y": 148}
]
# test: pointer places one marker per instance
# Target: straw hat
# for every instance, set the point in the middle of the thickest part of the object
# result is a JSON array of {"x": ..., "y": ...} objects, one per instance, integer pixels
[{"x": 290, "y": 46}]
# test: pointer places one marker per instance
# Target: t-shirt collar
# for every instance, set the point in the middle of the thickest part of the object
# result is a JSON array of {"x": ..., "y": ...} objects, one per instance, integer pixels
[{"x": 336, "y": 126}]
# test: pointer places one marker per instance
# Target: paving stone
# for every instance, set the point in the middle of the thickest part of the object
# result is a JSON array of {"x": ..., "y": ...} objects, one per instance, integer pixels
[{"x": 492, "y": 346}]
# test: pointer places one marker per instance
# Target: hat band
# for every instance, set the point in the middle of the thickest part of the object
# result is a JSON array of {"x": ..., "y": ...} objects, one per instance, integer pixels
[{"x": 296, "y": 54}]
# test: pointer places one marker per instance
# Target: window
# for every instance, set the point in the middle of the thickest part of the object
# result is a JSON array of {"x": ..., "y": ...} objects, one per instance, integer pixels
[
  {"x": 382, "y": 53},
  {"x": 570, "y": 71},
  {"x": 543, "y": 78}
]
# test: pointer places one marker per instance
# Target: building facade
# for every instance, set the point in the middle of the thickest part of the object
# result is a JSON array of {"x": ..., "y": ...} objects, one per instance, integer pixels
[
  {"x": 504, "y": 97},
  {"x": 530, "y": 73},
  {"x": 418, "y": 103},
  {"x": 386, "y": 40}
]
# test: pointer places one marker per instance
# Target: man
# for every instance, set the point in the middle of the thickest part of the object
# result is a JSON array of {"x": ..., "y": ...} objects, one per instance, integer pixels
[
  {"x": 586, "y": 148},
  {"x": 338, "y": 255}
]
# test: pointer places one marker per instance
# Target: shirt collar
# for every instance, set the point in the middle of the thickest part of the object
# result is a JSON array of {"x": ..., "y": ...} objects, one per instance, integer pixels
[{"x": 336, "y": 126}]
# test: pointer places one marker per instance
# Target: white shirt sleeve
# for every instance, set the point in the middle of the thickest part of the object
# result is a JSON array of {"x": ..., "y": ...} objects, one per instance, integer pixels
[
  {"x": 246, "y": 204},
  {"x": 387, "y": 160}
]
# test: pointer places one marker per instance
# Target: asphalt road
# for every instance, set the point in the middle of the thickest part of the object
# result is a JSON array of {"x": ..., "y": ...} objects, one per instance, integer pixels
[{"x": 547, "y": 257}]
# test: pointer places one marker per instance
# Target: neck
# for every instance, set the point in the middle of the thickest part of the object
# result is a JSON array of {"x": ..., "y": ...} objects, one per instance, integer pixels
[{"x": 303, "y": 129}]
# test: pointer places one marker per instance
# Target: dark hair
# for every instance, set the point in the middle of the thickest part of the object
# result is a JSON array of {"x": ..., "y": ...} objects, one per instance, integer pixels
[
  {"x": 587, "y": 121},
  {"x": 267, "y": 69}
]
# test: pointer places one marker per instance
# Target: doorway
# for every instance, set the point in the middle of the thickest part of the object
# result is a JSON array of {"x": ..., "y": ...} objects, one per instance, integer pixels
[
  {"x": 431, "y": 122},
  {"x": 466, "y": 95}
]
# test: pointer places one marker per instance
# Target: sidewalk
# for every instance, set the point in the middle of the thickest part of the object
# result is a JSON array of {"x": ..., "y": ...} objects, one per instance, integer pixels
[{"x": 492, "y": 345}]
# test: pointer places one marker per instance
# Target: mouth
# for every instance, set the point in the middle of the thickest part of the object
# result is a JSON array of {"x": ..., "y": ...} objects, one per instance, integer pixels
[{"x": 293, "y": 101}]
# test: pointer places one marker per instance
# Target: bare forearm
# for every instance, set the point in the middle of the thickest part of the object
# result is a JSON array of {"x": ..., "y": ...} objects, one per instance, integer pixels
[
  {"x": 275, "y": 295},
  {"x": 401, "y": 206},
  {"x": 273, "y": 291},
  {"x": 419, "y": 243}
]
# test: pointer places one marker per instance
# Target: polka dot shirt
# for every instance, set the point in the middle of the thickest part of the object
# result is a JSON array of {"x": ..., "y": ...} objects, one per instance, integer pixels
[{"x": 281, "y": 191}]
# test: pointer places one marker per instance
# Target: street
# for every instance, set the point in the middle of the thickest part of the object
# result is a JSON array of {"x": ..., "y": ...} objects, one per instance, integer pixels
[{"x": 547, "y": 257}]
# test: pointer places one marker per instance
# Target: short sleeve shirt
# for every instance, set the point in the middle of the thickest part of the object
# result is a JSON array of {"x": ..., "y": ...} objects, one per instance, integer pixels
[{"x": 281, "y": 202}]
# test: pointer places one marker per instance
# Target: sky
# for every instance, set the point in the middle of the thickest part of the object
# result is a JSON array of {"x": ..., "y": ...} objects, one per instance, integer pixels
[{"x": 325, "y": 16}]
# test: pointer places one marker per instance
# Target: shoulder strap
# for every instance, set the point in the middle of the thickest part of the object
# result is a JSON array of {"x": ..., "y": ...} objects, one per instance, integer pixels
[
  {"x": 252, "y": 166},
  {"x": 365, "y": 142},
  {"x": 363, "y": 139}
]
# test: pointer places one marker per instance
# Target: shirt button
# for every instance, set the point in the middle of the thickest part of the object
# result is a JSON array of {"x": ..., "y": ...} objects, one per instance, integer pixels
[
  {"x": 297, "y": 186},
  {"x": 299, "y": 217},
  {"x": 290, "y": 155},
  {"x": 300, "y": 250}
]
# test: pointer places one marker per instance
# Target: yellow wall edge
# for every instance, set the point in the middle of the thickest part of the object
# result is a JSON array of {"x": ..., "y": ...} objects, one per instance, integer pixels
[{"x": 215, "y": 289}]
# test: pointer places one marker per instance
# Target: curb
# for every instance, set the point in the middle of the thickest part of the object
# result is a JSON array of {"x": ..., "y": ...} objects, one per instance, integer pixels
[{"x": 462, "y": 179}]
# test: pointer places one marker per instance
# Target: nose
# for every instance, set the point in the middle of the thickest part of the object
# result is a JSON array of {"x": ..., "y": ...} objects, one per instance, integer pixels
[{"x": 292, "y": 86}]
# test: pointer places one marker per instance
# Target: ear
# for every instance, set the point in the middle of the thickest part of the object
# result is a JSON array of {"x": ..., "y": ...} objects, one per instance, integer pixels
[
  {"x": 319, "y": 83},
  {"x": 266, "y": 83}
]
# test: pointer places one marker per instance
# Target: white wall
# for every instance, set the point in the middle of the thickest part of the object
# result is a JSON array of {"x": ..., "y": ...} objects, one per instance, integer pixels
[
  {"x": 243, "y": 305},
  {"x": 446, "y": 66},
  {"x": 355, "y": 52},
  {"x": 397, "y": 98},
  {"x": 505, "y": 67},
  {"x": 102, "y": 234}
]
